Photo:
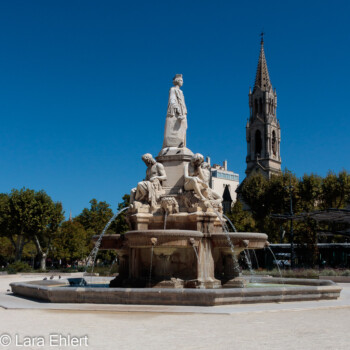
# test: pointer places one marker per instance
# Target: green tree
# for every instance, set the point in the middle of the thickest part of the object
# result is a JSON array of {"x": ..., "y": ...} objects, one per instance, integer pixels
[
  {"x": 14, "y": 218},
  {"x": 335, "y": 190},
  {"x": 254, "y": 192},
  {"x": 6, "y": 251},
  {"x": 241, "y": 219},
  {"x": 279, "y": 192},
  {"x": 306, "y": 235},
  {"x": 265, "y": 196},
  {"x": 70, "y": 241},
  {"x": 47, "y": 219},
  {"x": 270, "y": 196},
  {"x": 27, "y": 215},
  {"x": 310, "y": 191},
  {"x": 120, "y": 225},
  {"x": 95, "y": 218}
]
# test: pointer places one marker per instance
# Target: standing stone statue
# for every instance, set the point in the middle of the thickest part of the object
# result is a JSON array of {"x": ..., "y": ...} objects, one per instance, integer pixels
[
  {"x": 176, "y": 119},
  {"x": 149, "y": 190}
]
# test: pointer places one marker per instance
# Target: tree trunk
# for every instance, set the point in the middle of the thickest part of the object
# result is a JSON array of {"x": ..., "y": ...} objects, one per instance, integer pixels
[
  {"x": 41, "y": 254},
  {"x": 19, "y": 248},
  {"x": 43, "y": 261}
]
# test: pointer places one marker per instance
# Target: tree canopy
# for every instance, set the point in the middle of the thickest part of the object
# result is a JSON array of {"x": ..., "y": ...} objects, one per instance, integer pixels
[
  {"x": 265, "y": 196},
  {"x": 31, "y": 219},
  {"x": 70, "y": 241},
  {"x": 27, "y": 215}
]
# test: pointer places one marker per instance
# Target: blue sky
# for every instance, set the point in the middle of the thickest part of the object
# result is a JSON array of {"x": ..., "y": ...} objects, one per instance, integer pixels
[{"x": 84, "y": 87}]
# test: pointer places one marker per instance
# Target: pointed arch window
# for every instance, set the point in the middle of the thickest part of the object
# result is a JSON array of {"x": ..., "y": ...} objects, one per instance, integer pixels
[
  {"x": 274, "y": 143},
  {"x": 258, "y": 143}
]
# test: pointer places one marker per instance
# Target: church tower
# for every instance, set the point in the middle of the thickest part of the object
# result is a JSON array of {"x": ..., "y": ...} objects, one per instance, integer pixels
[{"x": 263, "y": 129}]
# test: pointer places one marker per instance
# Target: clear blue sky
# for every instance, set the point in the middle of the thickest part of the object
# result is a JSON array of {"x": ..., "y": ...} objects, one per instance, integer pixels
[{"x": 84, "y": 87}]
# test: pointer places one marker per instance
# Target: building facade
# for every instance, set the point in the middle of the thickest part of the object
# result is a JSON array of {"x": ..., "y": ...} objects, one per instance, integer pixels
[
  {"x": 225, "y": 183},
  {"x": 263, "y": 131}
]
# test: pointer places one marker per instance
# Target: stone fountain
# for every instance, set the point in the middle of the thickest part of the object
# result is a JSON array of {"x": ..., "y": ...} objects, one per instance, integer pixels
[
  {"x": 178, "y": 250},
  {"x": 177, "y": 237}
]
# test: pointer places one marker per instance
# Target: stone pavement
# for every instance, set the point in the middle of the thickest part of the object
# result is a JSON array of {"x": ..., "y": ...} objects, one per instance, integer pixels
[{"x": 298, "y": 325}]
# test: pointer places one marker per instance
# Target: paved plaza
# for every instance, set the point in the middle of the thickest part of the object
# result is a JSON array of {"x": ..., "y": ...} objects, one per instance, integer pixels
[{"x": 297, "y": 325}]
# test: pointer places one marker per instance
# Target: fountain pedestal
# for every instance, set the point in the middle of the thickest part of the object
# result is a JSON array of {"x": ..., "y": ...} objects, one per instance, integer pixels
[
  {"x": 205, "y": 265},
  {"x": 173, "y": 160}
]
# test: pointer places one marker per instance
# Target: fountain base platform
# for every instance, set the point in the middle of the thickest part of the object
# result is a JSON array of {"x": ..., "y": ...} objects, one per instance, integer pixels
[{"x": 264, "y": 290}]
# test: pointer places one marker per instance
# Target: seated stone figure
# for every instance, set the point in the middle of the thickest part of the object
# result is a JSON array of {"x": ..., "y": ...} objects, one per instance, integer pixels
[
  {"x": 150, "y": 189},
  {"x": 194, "y": 177},
  {"x": 197, "y": 177},
  {"x": 214, "y": 197}
]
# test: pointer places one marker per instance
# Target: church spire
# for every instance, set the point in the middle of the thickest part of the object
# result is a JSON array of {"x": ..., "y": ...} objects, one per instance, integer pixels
[
  {"x": 263, "y": 131},
  {"x": 262, "y": 78}
]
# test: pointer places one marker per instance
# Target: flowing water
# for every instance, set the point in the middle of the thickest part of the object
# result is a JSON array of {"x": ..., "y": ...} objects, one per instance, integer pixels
[
  {"x": 256, "y": 259},
  {"x": 247, "y": 259},
  {"x": 113, "y": 262},
  {"x": 248, "y": 262},
  {"x": 227, "y": 234},
  {"x": 232, "y": 225},
  {"x": 223, "y": 223},
  {"x": 92, "y": 257},
  {"x": 165, "y": 217},
  {"x": 195, "y": 251},
  {"x": 279, "y": 270}
]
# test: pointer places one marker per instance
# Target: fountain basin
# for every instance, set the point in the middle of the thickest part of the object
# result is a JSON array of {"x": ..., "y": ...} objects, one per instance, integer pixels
[
  {"x": 245, "y": 240},
  {"x": 109, "y": 242},
  {"x": 182, "y": 258},
  {"x": 306, "y": 289}
]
